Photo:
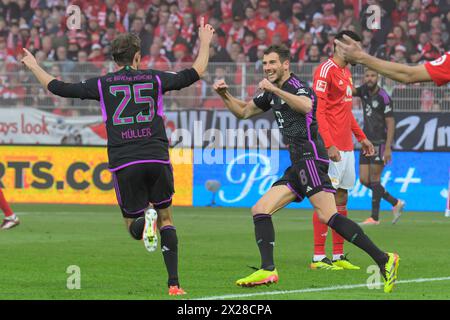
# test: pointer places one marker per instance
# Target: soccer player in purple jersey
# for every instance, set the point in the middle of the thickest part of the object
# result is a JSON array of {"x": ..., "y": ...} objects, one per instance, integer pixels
[
  {"x": 138, "y": 150},
  {"x": 294, "y": 105},
  {"x": 379, "y": 127}
]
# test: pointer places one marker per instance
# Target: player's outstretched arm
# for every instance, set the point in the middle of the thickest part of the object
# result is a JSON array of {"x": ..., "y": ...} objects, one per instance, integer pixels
[
  {"x": 300, "y": 104},
  {"x": 205, "y": 33},
  {"x": 353, "y": 53},
  {"x": 82, "y": 90},
  {"x": 241, "y": 109},
  {"x": 30, "y": 62}
]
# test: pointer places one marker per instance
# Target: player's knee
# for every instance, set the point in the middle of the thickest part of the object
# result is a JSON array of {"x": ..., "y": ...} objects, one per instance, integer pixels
[
  {"x": 259, "y": 208},
  {"x": 323, "y": 218},
  {"x": 364, "y": 181},
  {"x": 374, "y": 179}
]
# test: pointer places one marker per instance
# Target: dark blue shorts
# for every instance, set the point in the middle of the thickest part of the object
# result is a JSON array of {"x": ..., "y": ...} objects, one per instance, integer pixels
[{"x": 139, "y": 185}]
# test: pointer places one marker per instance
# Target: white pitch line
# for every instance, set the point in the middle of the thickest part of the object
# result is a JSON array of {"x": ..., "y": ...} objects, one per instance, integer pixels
[
  {"x": 345, "y": 287},
  {"x": 27, "y": 213}
]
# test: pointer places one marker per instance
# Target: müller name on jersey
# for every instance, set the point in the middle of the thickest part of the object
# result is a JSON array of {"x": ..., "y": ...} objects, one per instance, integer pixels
[{"x": 136, "y": 133}]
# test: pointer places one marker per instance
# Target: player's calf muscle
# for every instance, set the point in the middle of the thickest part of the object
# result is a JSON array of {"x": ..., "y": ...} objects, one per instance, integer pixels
[
  {"x": 136, "y": 227},
  {"x": 165, "y": 217}
]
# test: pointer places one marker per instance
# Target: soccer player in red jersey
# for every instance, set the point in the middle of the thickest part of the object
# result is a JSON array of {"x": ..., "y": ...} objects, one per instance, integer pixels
[
  {"x": 11, "y": 219},
  {"x": 437, "y": 71},
  {"x": 333, "y": 86}
]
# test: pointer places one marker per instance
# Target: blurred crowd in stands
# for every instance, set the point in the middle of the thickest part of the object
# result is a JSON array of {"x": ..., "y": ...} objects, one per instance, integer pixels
[{"x": 412, "y": 31}]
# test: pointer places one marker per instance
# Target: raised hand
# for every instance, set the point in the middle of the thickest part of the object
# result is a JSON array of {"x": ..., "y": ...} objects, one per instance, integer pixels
[
  {"x": 28, "y": 60},
  {"x": 205, "y": 32},
  {"x": 220, "y": 87},
  {"x": 266, "y": 85},
  {"x": 350, "y": 49}
]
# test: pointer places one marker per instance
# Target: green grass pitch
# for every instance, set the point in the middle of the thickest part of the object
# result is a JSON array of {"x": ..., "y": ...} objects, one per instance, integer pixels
[{"x": 215, "y": 246}]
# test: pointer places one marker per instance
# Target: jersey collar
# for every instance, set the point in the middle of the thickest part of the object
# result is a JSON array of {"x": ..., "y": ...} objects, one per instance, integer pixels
[
  {"x": 287, "y": 80},
  {"x": 374, "y": 94},
  {"x": 337, "y": 65}
]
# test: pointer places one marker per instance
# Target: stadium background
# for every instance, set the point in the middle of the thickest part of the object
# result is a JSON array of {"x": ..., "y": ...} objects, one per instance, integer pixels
[{"x": 71, "y": 169}]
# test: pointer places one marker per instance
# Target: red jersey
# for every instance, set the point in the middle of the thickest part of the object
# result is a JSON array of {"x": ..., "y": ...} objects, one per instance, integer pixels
[
  {"x": 439, "y": 69},
  {"x": 333, "y": 86}
]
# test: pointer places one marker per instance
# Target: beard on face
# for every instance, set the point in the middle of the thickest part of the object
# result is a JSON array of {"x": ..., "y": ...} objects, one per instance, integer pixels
[
  {"x": 371, "y": 85},
  {"x": 278, "y": 76}
]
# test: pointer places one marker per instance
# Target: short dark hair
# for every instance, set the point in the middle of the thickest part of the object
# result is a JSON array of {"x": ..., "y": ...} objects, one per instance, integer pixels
[
  {"x": 124, "y": 48},
  {"x": 283, "y": 52},
  {"x": 348, "y": 33}
]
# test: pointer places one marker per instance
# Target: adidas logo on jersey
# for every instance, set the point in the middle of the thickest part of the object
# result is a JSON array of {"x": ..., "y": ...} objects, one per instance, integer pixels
[
  {"x": 308, "y": 189},
  {"x": 341, "y": 82}
]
